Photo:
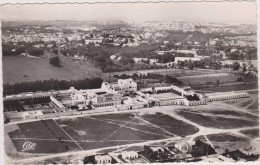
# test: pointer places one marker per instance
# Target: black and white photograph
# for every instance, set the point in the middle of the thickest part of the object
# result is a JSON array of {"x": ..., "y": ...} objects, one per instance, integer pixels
[{"x": 113, "y": 82}]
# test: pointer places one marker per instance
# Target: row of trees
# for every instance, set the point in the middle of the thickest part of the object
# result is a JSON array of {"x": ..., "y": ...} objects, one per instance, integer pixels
[{"x": 47, "y": 85}]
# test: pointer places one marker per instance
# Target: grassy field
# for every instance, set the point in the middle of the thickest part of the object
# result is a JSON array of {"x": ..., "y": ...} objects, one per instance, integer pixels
[
  {"x": 228, "y": 88},
  {"x": 118, "y": 129},
  {"x": 254, "y": 105},
  {"x": 168, "y": 124},
  {"x": 252, "y": 133},
  {"x": 45, "y": 137},
  {"x": 204, "y": 79},
  {"x": 91, "y": 132},
  {"x": 23, "y": 69},
  {"x": 240, "y": 103},
  {"x": 224, "y": 119}
]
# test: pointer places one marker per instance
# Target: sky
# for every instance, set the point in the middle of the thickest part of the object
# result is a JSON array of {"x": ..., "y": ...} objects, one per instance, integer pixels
[{"x": 201, "y": 12}]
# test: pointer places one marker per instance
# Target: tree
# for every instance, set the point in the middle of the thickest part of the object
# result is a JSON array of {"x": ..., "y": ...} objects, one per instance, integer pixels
[
  {"x": 244, "y": 67},
  {"x": 194, "y": 97},
  {"x": 235, "y": 66},
  {"x": 190, "y": 65},
  {"x": 153, "y": 88},
  {"x": 180, "y": 64},
  {"x": 90, "y": 103},
  {"x": 55, "y": 61}
]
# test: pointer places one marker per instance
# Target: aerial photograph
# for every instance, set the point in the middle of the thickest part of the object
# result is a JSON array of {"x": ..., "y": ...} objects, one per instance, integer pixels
[{"x": 125, "y": 83}]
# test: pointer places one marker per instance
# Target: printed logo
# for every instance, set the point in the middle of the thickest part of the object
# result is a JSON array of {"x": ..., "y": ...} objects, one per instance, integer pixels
[{"x": 28, "y": 146}]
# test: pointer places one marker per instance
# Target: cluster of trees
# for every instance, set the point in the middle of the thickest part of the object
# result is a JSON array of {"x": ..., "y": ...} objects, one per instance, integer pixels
[
  {"x": 193, "y": 97},
  {"x": 208, "y": 63},
  {"x": 201, "y": 149},
  {"x": 249, "y": 54},
  {"x": 203, "y": 64},
  {"x": 47, "y": 85},
  {"x": 101, "y": 57},
  {"x": 163, "y": 58},
  {"x": 10, "y": 49},
  {"x": 55, "y": 61}
]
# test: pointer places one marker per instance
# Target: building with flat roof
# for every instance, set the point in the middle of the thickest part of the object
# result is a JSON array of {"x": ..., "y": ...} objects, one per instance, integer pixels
[
  {"x": 123, "y": 86},
  {"x": 225, "y": 96},
  {"x": 30, "y": 105},
  {"x": 96, "y": 98}
]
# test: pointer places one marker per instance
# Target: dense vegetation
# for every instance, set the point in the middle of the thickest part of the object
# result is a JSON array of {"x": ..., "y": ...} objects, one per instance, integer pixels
[
  {"x": 10, "y": 49},
  {"x": 47, "y": 85},
  {"x": 55, "y": 61}
]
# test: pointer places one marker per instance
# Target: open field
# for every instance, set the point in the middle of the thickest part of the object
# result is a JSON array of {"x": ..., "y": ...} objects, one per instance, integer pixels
[
  {"x": 41, "y": 137},
  {"x": 252, "y": 133},
  {"x": 23, "y": 69},
  {"x": 241, "y": 103},
  {"x": 228, "y": 88},
  {"x": 222, "y": 119},
  {"x": 92, "y": 132},
  {"x": 119, "y": 129},
  {"x": 210, "y": 78},
  {"x": 255, "y": 104},
  {"x": 166, "y": 122}
]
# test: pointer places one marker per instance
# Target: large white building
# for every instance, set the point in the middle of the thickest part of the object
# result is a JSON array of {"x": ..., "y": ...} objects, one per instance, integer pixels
[
  {"x": 110, "y": 94},
  {"x": 123, "y": 86},
  {"x": 96, "y": 98}
]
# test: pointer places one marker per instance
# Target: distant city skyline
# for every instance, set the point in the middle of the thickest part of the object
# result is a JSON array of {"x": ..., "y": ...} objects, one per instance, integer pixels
[{"x": 195, "y": 12}]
